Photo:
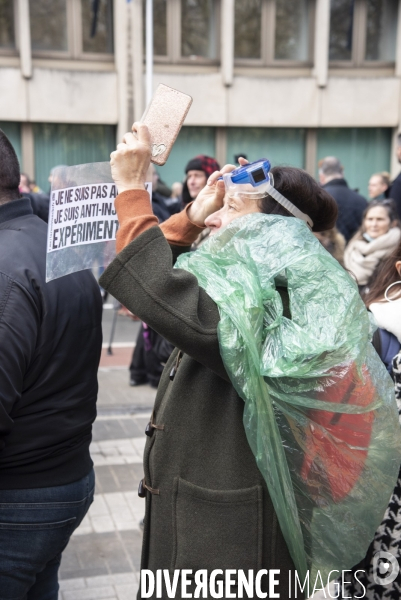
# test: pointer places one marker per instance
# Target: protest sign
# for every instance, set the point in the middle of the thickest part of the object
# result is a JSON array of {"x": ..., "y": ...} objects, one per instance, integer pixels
[
  {"x": 82, "y": 214},
  {"x": 82, "y": 219}
]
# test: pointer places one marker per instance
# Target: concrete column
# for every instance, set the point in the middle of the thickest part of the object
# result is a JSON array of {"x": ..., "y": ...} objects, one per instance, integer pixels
[
  {"x": 28, "y": 150},
  {"x": 394, "y": 164},
  {"x": 137, "y": 58},
  {"x": 227, "y": 41},
  {"x": 24, "y": 38},
  {"x": 311, "y": 151},
  {"x": 322, "y": 33},
  {"x": 398, "y": 46},
  {"x": 221, "y": 145},
  {"x": 121, "y": 15}
]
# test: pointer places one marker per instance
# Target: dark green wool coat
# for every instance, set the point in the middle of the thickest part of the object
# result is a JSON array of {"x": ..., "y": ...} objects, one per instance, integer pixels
[{"x": 209, "y": 507}]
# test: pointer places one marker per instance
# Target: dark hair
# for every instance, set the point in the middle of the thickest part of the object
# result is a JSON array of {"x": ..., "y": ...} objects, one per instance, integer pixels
[
  {"x": 384, "y": 275},
  {"x": 9, "y": 171},
  {"x": 305, "y": 193}
]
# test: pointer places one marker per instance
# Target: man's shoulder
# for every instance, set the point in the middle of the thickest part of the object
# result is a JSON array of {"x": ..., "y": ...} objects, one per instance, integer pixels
[{"x": 340, "y": 191}]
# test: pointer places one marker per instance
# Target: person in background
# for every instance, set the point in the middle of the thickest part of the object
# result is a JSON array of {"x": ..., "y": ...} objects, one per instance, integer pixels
[
  {"x": 51, "y": 340},
  {"x": 350, "y": 204},
  {"x": 394, "y": 191},
  {"x": 378, "y": 185},
  {"x": 334, "y": 242},
  {"x": 159, "y": 206},
  {"x": 176, "y": 190},
  {"x": 197, "y": 171},
  {"x": 151, "y": 350},
  {"x": 24, "y": 184},
  {"x": 238, "y": 156},
  {"x": 35, "y": 189},
  {"x": 383, "y": 299},
  {"x": 376, "y": 239},
  {"x": 39, "y": 201}
]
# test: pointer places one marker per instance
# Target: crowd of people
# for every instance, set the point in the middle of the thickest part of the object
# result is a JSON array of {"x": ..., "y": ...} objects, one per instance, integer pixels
[{"x": 201, "y": 480}]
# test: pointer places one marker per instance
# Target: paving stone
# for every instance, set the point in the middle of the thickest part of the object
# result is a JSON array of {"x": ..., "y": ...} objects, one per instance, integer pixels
[
  {"x": 115, "y": 392},
  {"x": 102, "y": 560},
  {"x": 90, "y": 594},
  {"x": 127, "y": 592},
  {"x": 73, "y": 584}
]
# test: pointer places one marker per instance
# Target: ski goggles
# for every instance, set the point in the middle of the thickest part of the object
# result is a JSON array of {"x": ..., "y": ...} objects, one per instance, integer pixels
[{"x": 256, "y": 181}]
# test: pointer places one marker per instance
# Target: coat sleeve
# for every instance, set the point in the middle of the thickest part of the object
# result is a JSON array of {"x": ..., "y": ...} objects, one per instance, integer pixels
[
  {"x": 170, "y": 300},
  {"x": 19, "y": 326}
]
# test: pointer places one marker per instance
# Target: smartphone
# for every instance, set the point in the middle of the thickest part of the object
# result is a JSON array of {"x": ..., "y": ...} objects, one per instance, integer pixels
[{"x": 164, "y": 117}]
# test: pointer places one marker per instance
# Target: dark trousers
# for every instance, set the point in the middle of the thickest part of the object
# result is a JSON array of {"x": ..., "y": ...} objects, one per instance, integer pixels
[
  {"x": 145, "y": 364},
  {"x": 35, "y": 527}
]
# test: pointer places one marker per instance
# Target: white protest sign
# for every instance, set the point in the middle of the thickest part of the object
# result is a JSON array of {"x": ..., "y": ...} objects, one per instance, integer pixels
[
  {"x": 82, "y": 215},
  {"x": 83, "y": 221}
]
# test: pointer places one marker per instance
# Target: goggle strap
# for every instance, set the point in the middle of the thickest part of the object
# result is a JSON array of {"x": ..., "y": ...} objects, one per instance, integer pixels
[{"x": 288, "y": 205}]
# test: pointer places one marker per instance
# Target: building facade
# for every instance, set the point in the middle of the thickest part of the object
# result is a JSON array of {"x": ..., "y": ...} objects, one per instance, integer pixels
[{"x": 293, "y": 80}]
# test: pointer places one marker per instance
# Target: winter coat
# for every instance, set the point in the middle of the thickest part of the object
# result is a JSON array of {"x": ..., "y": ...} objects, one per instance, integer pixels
[
  {"x": 207, "y": 504},
  {"x": 362, "y": 257},
  {"x": 394, "y": 192},
  {"x": 50, "y": 345},
  {"x": 351, "y": 206}
]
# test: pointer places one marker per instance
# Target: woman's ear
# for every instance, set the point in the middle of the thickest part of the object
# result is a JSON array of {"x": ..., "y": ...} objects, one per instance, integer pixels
[{"x": 398, "y": 266}]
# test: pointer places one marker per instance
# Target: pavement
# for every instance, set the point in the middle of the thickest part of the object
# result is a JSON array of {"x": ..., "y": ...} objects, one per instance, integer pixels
[{"x": 102, "y": 559}]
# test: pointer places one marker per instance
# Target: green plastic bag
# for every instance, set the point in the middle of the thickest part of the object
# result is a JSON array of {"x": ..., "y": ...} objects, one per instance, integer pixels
[{"x": 320, "y": 412}]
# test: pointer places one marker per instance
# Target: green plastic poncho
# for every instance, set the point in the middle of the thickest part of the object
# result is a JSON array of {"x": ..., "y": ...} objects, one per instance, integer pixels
[{"x": 320, "y": 412}]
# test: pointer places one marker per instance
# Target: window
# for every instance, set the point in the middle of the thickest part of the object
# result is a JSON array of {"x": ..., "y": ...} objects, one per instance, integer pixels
[
  {"x": 248, "y": 29},
  {"x": 13, "y": 132},
  {"x": 198, "y": 29},
  {"x": 48, "y": 25},
  {"x": 273, "y": 31},
  {"x": 381, "y": 30},
  {"x": 282, "y": 146},
  {"x": 362, "y": 151},
  {"x": 69, "y": 144},
  {"x": 363, "y": 32},
  {"x": 185, "y": 30},
  {"x": 71, "y": 28},
  {"x": 7, "y": 25},
  {"x": 97, "y": 26}
]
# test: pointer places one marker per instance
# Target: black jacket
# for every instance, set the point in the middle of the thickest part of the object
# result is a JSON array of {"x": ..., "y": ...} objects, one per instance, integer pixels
[
  {"x": 394, "y": 192},
  {"x": 350, "y": 207},
  {"x": 50, "y": 344}
]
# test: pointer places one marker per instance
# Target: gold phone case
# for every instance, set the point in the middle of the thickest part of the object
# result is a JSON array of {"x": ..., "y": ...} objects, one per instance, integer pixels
[{"x": 164, "y": 117}]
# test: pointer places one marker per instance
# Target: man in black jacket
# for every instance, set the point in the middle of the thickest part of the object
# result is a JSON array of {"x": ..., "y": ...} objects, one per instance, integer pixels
[
  {"x": 351, "y": 205},
  {"x": 394, "y": 191},
  {"x": 49, "y": 353}
]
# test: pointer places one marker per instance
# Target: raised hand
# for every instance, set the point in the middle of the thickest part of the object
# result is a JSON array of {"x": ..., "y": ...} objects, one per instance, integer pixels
[{"x": 130, "y": 161}]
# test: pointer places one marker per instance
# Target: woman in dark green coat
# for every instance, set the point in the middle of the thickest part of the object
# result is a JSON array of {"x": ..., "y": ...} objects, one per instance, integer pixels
[{"x": 207, "y": 503}]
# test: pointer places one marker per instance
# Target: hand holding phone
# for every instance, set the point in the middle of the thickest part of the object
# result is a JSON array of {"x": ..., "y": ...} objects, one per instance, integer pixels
[
  {"x": 164, "y": 118},
  {"x": 130, "y": 161}
]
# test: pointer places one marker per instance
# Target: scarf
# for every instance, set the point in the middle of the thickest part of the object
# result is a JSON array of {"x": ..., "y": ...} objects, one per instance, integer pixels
[{"x": 362, "y": 257}]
